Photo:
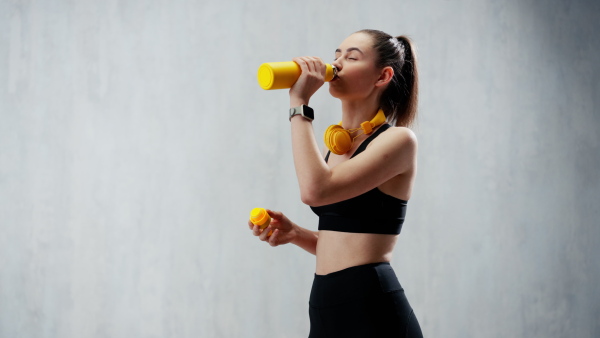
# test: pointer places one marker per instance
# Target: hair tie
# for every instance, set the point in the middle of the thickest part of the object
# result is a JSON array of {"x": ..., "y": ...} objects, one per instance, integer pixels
[{"x": 399, "y": 45}]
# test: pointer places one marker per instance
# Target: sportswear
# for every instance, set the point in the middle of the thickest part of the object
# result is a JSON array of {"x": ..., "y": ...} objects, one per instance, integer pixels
[
  {"x": 372, "y": 212},
  {"x": 361, "y": 301}
]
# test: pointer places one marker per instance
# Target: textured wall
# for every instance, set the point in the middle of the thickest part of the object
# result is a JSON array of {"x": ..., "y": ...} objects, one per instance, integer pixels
[{"x": 134, "y": 140}]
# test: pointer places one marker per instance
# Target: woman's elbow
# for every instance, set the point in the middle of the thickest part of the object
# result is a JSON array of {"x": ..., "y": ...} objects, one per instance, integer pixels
[{"x": 311, "y": 196}]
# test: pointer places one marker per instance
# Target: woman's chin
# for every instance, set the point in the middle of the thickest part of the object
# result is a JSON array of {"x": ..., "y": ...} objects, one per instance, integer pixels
[{"x": 334, "y": 91}]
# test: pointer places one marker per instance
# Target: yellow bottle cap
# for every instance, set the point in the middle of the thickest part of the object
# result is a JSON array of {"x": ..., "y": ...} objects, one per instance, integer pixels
[{"x": 260, "y": 217}]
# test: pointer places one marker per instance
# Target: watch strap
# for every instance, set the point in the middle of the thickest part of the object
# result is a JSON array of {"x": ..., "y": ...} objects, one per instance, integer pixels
[{"x": 304, "y": 110}]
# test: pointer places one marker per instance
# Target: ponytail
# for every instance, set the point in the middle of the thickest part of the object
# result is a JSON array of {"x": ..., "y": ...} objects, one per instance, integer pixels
[{"x": 400, "y": 99}]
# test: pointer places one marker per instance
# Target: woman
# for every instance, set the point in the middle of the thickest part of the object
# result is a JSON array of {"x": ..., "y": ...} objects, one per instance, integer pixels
[{"x": 360, "y": 193}]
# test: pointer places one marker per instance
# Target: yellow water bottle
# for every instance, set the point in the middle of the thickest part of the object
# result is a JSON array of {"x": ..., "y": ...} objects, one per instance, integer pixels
[
  {"x": 260, "y": 217},
  {"x": 280, "y": 75}
]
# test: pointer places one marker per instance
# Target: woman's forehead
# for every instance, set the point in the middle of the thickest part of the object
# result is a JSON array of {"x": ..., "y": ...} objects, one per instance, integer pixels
[{"x": 357, "y": 40}]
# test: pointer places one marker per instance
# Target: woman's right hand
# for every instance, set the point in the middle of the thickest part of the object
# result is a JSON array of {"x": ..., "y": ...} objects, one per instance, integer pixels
[
  {"x": 311, "y": 79},
  {"x": 284, "y": 231}
]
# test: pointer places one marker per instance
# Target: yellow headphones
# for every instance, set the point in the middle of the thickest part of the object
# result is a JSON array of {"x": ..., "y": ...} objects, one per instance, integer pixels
[{"x": 339, "y": 140}]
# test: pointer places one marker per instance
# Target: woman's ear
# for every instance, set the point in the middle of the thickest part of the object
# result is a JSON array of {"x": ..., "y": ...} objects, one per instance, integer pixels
[{"x": 387, "y": 74}]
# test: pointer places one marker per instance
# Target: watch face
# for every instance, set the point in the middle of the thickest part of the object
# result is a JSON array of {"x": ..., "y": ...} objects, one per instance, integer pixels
[{"x": 309, "y": 112}]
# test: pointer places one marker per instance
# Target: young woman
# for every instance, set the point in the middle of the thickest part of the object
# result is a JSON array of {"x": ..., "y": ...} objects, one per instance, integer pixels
[{"x": 360, "y": 193}]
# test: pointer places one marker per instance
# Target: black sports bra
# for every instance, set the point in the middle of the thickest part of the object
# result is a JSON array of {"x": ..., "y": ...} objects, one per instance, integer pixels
[{"x": 373, "y": 212}]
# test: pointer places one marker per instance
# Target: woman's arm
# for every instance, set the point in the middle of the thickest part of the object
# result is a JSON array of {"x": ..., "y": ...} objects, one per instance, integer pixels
[
  {"x": 386, "y": 157},
  {"x": 306, "y": 239}
]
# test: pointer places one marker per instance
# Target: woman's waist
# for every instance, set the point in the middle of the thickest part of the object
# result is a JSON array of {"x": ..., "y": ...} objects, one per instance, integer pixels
[
  {"x": 339, "y": 250},
  {"x": 326, "y": 267}
]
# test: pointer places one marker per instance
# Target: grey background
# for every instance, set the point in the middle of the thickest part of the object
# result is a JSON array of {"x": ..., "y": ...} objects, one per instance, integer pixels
[{"x": 134, "y": 141}]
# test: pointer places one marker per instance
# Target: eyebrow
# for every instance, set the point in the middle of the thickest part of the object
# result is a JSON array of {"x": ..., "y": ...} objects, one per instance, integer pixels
[{"x": 349, "y": 50}]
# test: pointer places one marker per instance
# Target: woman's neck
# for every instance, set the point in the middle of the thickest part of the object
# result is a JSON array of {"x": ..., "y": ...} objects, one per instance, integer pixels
[{"x": 356, "y": 112}]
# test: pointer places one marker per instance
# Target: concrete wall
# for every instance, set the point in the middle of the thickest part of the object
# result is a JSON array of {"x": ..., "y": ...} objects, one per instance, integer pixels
[{"x": 134, "y": 141}]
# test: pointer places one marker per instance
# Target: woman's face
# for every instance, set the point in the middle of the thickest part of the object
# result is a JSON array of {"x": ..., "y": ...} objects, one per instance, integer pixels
[{"x": 355, "y": 60}]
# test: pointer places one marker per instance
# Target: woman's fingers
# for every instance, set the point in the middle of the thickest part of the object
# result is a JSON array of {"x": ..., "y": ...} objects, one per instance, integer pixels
[
  {"x": 302, "y": 63},
  {"x": 256, "y": 230},
  {"x": 274, "y": 238},
  {"x": 269, "y": 235},
  {"x": 310, "y": 64},
  {"x": 275, "y": 215},
  {"x": 265, "y": 233},
  {"x": 318, "y": 65}
]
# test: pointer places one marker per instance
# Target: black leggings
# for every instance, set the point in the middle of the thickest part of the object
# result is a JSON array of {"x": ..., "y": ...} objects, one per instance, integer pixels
[{"x": 361, "y": 301}]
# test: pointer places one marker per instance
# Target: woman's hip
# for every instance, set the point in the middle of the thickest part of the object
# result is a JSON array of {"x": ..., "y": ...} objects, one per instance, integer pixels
[
  {"x": 360, "y": 301},
  {"x": 356, "y": 282}
]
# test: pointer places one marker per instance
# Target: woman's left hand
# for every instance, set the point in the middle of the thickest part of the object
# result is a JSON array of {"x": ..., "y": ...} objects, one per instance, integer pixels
[{"x": 311, "y": 79}]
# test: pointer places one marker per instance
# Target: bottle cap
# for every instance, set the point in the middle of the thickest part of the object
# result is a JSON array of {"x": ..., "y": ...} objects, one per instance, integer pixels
[
  {"x": 330, "y": 72},
  {"x": 259, "y": 216}
]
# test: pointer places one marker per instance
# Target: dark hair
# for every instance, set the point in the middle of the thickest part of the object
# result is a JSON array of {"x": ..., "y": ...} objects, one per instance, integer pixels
[{"x": 400, "y": 98}]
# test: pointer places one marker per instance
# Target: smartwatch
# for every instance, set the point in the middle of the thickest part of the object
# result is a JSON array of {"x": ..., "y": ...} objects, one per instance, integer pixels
[{"x": 304, "y": 110}]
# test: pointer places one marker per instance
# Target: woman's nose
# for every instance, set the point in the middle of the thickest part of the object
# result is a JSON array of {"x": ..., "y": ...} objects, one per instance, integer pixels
[{"x": 337, "y": 65}]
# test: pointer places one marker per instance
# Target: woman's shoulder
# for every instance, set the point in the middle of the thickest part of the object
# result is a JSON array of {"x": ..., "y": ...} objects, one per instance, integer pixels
[{"x": 398, "y": 137}]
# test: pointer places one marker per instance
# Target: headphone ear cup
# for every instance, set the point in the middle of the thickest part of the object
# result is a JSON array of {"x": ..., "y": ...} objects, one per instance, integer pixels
[{"x": 338, "y": 139}]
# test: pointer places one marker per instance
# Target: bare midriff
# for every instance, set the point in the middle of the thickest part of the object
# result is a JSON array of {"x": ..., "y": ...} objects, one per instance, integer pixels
[{"x": 339, "y": 250}]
